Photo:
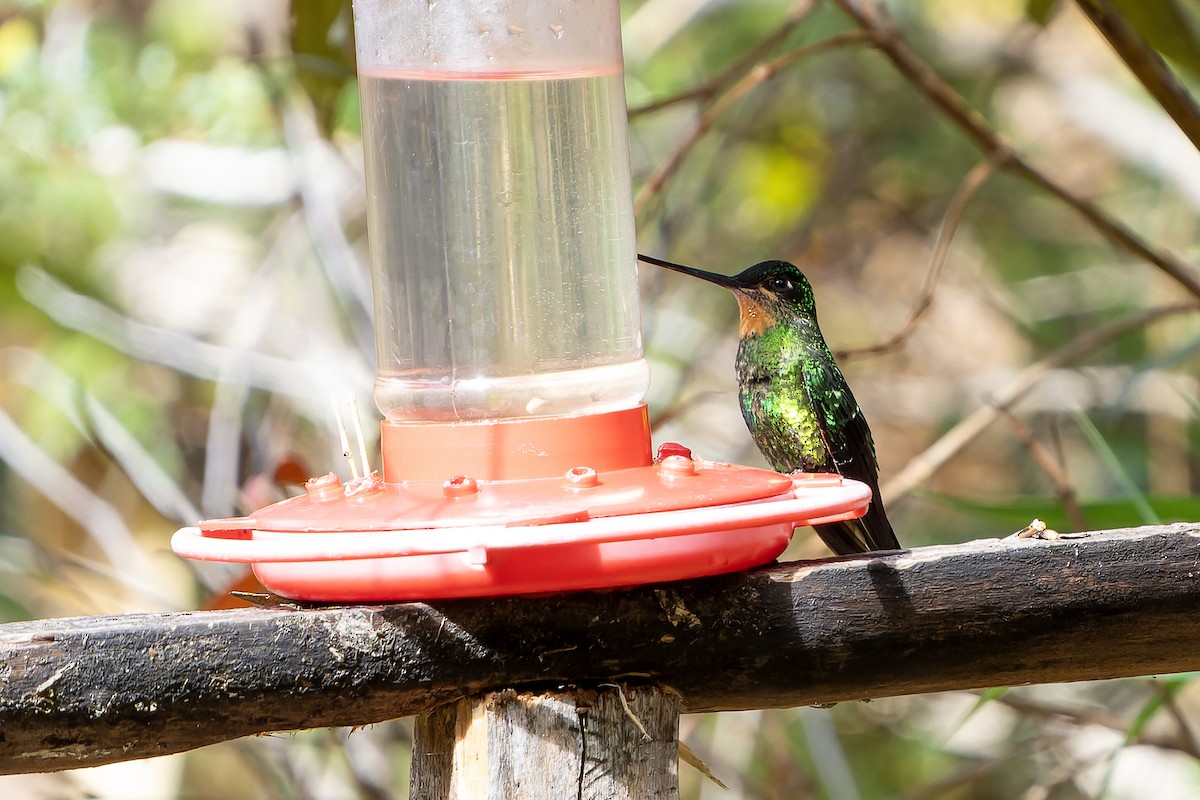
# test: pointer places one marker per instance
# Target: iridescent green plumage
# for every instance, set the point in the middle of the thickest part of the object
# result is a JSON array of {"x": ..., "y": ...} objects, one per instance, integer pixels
[
  {"x": 776, "y": 379},
  {"x": 794, "y": 398}
]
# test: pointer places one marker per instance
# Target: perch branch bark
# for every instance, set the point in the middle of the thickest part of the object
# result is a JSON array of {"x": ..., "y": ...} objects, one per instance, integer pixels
[{"x": 92, "y": 690}]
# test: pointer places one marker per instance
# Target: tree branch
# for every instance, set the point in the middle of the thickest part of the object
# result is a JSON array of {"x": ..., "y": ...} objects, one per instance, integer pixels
[
  {"x": 707, "y": 90},
  {"x": 1146, "y": 65},
  {"x": 922, "y": 467},
  {"x": 86, "y": 691},
  {"x": 970, "y": 186},
  {"x": 939, "y": 93},
  {"x": 1054, "y": 469},
  {"x": 760, "y": 73}
]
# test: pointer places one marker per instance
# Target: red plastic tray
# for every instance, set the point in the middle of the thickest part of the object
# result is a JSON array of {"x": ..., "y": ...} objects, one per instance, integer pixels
[{"x": 366, "y": 563}]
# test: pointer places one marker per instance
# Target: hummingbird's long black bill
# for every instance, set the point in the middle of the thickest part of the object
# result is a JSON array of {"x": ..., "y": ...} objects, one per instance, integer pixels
[{"x": 711, "y": 277}]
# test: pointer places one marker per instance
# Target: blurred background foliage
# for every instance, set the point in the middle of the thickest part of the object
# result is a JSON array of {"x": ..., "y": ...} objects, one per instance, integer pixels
[{"x": 182, "y": 288}]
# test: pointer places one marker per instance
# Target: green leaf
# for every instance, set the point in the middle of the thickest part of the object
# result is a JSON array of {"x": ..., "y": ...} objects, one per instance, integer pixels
[
  {"x": 1166, "y": 27},
  {"x": 986, "y": 696},
  {"x": 1170, "y": 686},
  {"x": 1040, "y": 11},
  {"x": 1010, "y": 514},
  {"x": 322, "y": 44},
  {"x": 1146, "y": 713},
  {"x": 1136, "y": 496}
]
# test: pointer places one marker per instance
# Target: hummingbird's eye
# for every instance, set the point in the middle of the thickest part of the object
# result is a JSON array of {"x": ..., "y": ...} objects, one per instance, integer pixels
[{"x": 781, "y": 285}]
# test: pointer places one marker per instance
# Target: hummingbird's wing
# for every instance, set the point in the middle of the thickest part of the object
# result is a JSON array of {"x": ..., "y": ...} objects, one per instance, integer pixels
[
  {"x": 852, "y": 448},
  {"x": 847, "y": 435}
]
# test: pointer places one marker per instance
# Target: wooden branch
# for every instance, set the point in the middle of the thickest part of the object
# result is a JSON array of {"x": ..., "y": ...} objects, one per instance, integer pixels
[{"x": 84, "y": 691}]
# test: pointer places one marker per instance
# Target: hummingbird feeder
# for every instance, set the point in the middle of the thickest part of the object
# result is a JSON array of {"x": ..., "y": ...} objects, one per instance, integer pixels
[{"x": 516, "y": 453}]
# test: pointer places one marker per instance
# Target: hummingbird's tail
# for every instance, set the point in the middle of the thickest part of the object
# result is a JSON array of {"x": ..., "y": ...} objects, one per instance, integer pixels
[{"x": 872, "y": 531}]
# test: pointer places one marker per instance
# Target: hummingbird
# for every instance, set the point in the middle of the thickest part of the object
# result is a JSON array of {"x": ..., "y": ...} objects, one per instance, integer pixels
[{"x": 794, "y": 398}]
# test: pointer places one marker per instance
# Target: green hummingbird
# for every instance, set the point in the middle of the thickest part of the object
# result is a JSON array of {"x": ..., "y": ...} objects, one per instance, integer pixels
[{"x": 794, "y": 398}]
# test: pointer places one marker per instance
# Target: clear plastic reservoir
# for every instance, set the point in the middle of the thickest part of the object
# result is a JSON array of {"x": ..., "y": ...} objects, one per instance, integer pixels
[{"x": 500, "y": 210}]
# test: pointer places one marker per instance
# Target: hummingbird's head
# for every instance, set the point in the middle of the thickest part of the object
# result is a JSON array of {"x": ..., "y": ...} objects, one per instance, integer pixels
[{"x": 769, "y": 293}]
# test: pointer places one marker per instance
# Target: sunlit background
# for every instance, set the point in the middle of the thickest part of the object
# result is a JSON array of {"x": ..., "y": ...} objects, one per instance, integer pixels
[{"x": 183, "y": 289}]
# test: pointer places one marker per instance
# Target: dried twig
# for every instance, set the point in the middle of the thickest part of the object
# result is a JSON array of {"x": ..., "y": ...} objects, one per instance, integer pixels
[
  {"x": 970, "y": 185},
  {"x": 1081, "y": 717},
  {"x": 1146, "y": 65},
  {"x": 161, "y": 345},
  {"x": 760, "y": 73},
  {"x": 1170, "y": 703},
  {"x": 710, "y": 88},
  {"x": 637, "y": 723},
  {"x": 91, "y": 511},
  {"x": 973, "y": 772},
  {"x": 952, "y": 105},
  {"x": 678, "y": 408},
  {"x": 1053, "y": 468},
  {"x": 922, "y": 467}
]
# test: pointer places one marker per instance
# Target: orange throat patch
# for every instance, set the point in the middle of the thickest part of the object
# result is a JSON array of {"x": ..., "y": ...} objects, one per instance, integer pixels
[{"x": 755, "y": 320}]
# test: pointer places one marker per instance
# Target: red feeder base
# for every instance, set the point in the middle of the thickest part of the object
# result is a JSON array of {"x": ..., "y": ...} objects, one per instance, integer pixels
[{"x": 583, "y": 512}]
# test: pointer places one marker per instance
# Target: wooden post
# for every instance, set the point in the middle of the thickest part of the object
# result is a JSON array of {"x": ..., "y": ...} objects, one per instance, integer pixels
[{"x": 608, "y": 743}]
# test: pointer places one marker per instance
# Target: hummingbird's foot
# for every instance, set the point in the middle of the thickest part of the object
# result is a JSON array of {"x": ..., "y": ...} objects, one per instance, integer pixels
[{"x": 1037, "y": 529}]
